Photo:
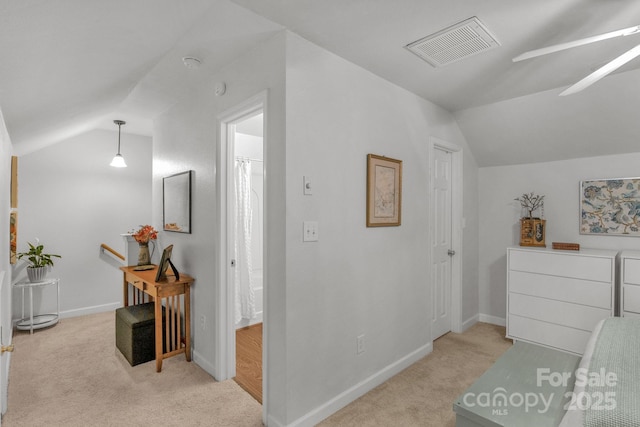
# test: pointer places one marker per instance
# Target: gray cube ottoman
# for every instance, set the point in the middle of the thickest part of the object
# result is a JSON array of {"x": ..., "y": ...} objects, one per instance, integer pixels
[{"x": 135, "y": 332}]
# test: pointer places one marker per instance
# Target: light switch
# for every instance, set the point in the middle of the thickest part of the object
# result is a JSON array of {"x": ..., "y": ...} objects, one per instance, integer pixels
[
  {"x": 310, "y": 231},
  {"x": 306, "y": 181}
]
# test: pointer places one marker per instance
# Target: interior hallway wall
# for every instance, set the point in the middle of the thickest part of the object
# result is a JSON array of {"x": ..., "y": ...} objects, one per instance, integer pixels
[
  {"x": 324, "y": 115},
  {"x": 355, "y": 280},
  {"x": 186, "y": 137},
  {"x": 72, "y": 200}
]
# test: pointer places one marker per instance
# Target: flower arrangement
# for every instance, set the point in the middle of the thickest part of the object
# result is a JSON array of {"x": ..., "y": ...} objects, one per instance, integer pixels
[{"x": 145, "y": 234}]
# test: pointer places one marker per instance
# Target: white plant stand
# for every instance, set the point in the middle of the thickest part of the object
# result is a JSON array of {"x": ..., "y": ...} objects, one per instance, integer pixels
[{"x": 41, "y": 320}]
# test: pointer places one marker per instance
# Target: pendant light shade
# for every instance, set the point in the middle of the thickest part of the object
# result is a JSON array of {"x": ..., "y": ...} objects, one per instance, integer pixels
[{"x": 118, "y": 160}]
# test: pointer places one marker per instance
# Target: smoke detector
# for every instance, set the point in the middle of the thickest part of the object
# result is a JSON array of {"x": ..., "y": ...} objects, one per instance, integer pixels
[
  {"x": 462, "y": 40},
  {"x": 191, "y": 62}
]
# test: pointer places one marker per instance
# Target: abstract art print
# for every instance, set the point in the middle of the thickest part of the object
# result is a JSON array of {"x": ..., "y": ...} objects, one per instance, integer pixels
[
  {"x": 384, "y": 191},
  {"x": 610, "y": 207}
]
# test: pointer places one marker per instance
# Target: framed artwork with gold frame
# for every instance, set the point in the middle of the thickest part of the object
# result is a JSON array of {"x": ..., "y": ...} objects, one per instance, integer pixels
[
  {"x": 384, "y": 191},
  {"x": 14, "y": 182}
]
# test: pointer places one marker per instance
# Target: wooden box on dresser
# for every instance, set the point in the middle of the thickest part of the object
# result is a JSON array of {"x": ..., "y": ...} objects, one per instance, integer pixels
[
  {"x": 630, "y": 284},
  {"x": 556, "y": 298}
]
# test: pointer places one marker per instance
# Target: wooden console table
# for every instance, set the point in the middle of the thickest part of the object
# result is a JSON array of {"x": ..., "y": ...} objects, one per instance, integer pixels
[{"x": 175, "y": 293}]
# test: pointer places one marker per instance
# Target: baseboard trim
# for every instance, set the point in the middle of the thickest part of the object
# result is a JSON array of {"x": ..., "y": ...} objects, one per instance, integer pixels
[
  {"x": 246, "y": 322},
  {"x": 494, "y": 320},
  {"x": 470, "y": 322},
  {"x": 203, "y": 363},
  {"x": 272, "y": 422},
  {"x": 84, "y": 311},
  {"x": 343, "y": 399}
]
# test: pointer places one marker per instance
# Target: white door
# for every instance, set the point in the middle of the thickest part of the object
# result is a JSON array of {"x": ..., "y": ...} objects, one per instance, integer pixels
[
  {"x": 442, "y": 249},
  {"x": 4, "y": 362}
]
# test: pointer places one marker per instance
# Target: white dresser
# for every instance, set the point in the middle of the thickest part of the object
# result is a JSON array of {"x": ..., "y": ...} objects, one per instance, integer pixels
[
  {"x": 630, "y": 284},
  {"x": 556, "y": 298}
]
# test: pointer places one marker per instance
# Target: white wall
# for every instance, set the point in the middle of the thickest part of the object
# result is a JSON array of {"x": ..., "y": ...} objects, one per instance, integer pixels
[
  {"x": 355, "y": 280},
  {"x": 186, "y": 138},
  {"x": 559, "y": 183},
  {"x": 72, "y": 200}
]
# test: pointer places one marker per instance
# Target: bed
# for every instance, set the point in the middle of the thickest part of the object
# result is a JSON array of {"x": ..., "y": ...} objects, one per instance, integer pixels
[
  {"x": 531, "y": 385},
  {"x": 608, "y": 390}
]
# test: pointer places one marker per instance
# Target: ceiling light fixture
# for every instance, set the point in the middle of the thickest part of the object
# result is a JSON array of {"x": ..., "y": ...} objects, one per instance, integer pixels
[{"x": 118, "y": 160}]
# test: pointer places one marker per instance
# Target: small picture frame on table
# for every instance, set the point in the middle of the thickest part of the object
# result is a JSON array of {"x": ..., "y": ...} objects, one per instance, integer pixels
[{"x": 165, "y": 263}]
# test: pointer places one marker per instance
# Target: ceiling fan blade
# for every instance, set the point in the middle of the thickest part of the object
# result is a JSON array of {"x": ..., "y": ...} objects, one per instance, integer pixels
[
  {"x": 568, "y": 45},
  {"x": 603, "y": 71}
]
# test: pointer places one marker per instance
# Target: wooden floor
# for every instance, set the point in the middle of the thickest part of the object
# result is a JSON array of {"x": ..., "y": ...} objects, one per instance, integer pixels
[{"x": 249, "y": 360}]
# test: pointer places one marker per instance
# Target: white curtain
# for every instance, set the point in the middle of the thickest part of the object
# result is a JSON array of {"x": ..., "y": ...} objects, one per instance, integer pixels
[{"x": 245, "y": 295}]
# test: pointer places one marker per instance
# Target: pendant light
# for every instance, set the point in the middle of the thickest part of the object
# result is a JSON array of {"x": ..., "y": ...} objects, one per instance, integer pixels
[{"x": 118, "y": 160}]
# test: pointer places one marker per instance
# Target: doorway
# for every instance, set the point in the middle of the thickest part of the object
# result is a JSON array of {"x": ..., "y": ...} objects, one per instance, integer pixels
[
  {"x": 242, "y": 277},
  {"x": 446, "y": 237},
  {"x": 247, "y": 261}
]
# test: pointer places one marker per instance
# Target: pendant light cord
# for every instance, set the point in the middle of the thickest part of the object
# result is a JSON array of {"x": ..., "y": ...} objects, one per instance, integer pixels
[{"x": 119, "y": 123}]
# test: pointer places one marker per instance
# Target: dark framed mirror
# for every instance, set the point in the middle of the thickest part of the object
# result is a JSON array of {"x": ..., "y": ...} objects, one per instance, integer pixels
[{"x": 176, "y": 202}]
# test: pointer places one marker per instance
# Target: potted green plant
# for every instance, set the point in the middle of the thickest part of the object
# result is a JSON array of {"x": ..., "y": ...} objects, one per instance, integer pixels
[{"x": 39, "y": 262}]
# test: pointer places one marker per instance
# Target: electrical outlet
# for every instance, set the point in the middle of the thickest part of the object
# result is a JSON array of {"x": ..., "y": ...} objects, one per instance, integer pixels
[
  {"x": 310, "y": 231},
  {"x": 203, "y": 322},
  {"x": 360, "y": 344}
]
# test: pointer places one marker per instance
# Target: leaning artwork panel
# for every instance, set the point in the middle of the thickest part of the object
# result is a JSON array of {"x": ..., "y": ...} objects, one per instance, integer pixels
[{"x": 610, "y": 207}]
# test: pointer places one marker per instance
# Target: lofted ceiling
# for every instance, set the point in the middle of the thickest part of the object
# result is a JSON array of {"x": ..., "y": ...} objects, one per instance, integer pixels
[{"x": 72, "y": 65}]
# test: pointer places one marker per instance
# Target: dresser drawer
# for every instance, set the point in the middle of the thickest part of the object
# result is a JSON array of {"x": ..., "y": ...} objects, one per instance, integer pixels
[
  {"x": 558, "y": 312},
  {"x": 631, "y": 298},
  {"x": 631, "y": 271},
  {"x": 565, "y": 265},
  {"x": 579, "y": 291},
  {"x": 549, "y": 334},
  {"x": 630, "y": 314}
]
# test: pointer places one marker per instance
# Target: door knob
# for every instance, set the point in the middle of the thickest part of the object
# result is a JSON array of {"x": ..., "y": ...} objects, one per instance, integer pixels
[
  {"x": 451, "y": 252},
  {"x": 8, "y": 348}
]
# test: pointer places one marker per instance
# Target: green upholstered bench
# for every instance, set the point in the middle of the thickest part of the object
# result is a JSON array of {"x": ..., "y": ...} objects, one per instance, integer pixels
[
  {"x": 135, "y": 332},
  {"x": 525, "y": 387}
]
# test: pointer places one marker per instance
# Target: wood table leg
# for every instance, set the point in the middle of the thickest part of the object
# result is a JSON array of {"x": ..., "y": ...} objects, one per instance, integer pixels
[
  {"x": 158, "y": 318},
  {"x": 125, "y": 287},
  {"x": 187, "y": 323}
]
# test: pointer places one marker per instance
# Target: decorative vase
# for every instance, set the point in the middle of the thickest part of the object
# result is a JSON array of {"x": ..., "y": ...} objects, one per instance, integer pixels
[
  {"x": 36, "y": 274},
  {"x": 143, "y": 256}
]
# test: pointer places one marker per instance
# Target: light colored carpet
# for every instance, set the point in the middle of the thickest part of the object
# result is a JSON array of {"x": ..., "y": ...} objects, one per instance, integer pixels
[
  {"x": 423, "y": 394},
  {"x": 73, "y": 375}
]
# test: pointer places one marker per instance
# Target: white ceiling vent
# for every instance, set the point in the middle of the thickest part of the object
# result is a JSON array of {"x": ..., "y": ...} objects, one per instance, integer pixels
[{"x": 464, "y": 39}]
